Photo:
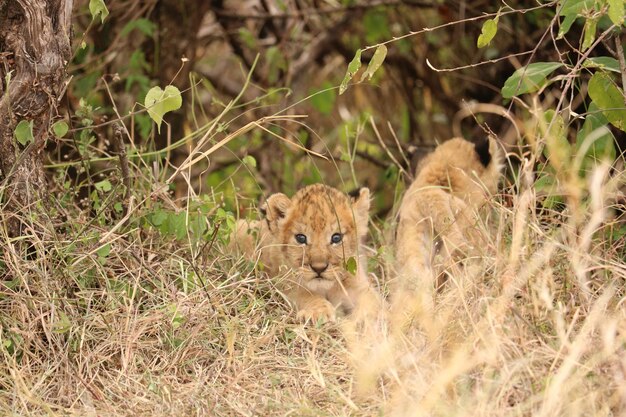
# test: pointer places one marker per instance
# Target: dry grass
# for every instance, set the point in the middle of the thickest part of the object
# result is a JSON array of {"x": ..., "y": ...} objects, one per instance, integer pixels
[{"x": 536, "y": 326}]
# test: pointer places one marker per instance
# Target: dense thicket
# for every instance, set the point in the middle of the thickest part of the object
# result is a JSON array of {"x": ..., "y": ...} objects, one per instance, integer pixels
[{"x": 303, "y": 48}]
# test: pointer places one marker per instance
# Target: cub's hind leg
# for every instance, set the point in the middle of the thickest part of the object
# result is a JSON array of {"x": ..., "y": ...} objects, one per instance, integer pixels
[
  {"x": 431, "y": 216},
  {"x": 457, "y": 233},
  {"x": 453, "y": 221},
  {"x": 413, "y": 289},
  {"x": 427, "y": 217}
]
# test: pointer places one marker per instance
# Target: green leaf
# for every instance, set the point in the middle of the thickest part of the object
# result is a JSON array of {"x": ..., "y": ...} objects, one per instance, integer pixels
[
  {"x": 557, "y": 150},
  {"x": 546, "y": 183},
  {"x": 24, "y": 132},
  {"x": 95, "y": 199},
  {"x": 97, "y": 7},
  {"x": 609, "y": 98},
  {"x": 375, "y": 63},
  {"x": 595, "y": 128},
  {"x": 158, "y": 217},
  {"x": 248, "y": 38},
  {"x": 63, "y": 325},
  {"x": 324, "y": 100},
  {"x": 353, "y": 67},
  {"x": 221, "y": 213},
  {"x": 170, "y": 223},
  {"x": 104, "y": 251},
  {"x": 602, "y": 62},
  {"x": 249, "y": 161},
  {"x": 276, "y": 63},
  {"x": 177, "y": 225},
  {"x": 571, "y": 10},
  {"x": 569, "y": 7},
  {"x": 528, "y": 79},
  {"x": 60, "y": 128},
  {"x": 104, "y": 185},
  {"x": 566, "y": 25},
  {"x": 590, "y": 33},
  {"x": 487, "y": 32},
  {"x": 158, "y": 102},
  {"x": 552, "y": 201},
  {"x": 197, "y": 225},
  {"x": 143, "y": 25},
  {"x": 177, "y": 317},
  {"x": 351, "y": 265},
  {"x": 616, "y": 11}
]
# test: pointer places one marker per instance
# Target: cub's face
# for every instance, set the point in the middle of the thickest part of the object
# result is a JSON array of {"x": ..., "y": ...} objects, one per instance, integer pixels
[{"x": 318, "y": 230}]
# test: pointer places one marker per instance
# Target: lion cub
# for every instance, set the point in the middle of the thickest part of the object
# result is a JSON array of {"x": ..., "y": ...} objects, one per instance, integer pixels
[
  {"x": 308, "y": 239},
  {"x": 440, "y": 211}
]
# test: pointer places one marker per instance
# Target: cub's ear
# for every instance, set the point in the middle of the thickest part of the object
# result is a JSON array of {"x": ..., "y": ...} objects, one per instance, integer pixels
[
  {"x": 360, "y": 199},
  {"x": 275, "y": 208},
  {"x": 483, "y": 152}
]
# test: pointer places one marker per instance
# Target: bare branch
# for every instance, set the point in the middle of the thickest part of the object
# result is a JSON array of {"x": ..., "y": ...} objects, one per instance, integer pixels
[{"x": 315, "y": 11}]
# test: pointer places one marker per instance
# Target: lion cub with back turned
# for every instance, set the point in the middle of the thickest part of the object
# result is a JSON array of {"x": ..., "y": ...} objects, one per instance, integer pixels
[
  {"x": 308, "y": 239},
  {"x": 440, "y": 212}
]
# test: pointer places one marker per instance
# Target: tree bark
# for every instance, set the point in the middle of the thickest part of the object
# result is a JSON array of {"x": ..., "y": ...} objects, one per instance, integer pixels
[
  {"x": 34, "y": 51},
  {"x": 179, "y": 22}
]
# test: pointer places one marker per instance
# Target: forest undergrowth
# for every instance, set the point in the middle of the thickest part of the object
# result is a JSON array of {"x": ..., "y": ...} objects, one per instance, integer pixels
[{"x": 99, "y": 321}]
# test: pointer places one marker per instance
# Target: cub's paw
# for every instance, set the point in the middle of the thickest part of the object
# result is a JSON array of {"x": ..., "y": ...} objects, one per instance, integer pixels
[{"x": 316, "y": 310}]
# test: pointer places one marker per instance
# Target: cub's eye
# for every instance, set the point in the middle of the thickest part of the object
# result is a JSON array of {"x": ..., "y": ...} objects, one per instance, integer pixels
[
  {"x": 336, "y": 238},
  {"x": 301, "y": 239}
]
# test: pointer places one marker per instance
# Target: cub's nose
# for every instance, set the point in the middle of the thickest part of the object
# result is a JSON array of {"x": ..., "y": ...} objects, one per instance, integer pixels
[{"x": 319, "y": 268}]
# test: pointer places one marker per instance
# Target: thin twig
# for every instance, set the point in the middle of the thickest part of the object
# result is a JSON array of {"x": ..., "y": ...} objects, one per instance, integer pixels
[
  {"x": 371, "y": 159},
  {"x": 398, "y": 144},
  {"x": 622, "y": 63},
  {"x": 478, "y": 64},
  {"x": 314, "y": 11},
  {"x": 456, "y": 22},
  {"x": 382, "y": 143},
  {"x": 120, "y": 149},
  {"x": 574, "y": 70}
]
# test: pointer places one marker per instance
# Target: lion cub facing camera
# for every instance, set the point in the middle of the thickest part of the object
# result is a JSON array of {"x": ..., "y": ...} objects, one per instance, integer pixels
[
  {"x": 440, "y": 210},
  {"x": 307, "y": 239}
]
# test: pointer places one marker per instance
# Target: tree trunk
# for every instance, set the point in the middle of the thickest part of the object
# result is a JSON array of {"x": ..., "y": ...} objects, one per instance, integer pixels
[
  {"x": 179, "y": 22},
  {"x": 34, "y": 50}
]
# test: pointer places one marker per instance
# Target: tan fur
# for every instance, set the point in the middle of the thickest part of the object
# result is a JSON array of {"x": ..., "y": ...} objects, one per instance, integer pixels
[
  {"x": 442, "y": 206},
  {"x": 316, "y": 211}
]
